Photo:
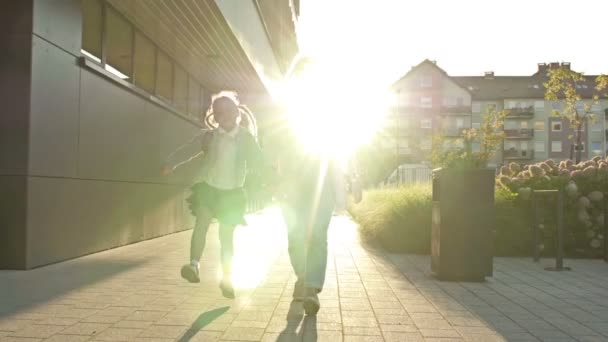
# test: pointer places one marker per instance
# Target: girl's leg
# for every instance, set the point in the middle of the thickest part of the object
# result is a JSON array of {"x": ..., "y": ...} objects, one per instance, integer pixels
[
  {"x": 199, "y": 234},
  {"x": 226, "y": 232}
]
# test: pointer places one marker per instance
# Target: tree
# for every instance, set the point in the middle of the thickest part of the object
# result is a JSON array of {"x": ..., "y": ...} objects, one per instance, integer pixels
[
  {"x": 489, "y": 135},
  {"x": 565, "y": 85}
]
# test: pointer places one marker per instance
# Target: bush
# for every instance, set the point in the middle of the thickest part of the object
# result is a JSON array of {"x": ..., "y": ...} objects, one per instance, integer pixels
[{"x": 400, "y": 220}]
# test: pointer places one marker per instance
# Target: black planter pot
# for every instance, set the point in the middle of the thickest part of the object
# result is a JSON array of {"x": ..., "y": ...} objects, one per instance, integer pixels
[{"x": 463, "y": 223}]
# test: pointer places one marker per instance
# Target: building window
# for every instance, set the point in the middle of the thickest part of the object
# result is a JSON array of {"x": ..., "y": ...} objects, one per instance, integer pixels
[
  {"x": 476, "y": 125},
  {"x": 510, "y": 145},
  {"x": 476, "y": 147},
  {"x": 426, "y": 123},
  {"x": 144, "y": 63},
  {"x": 180, "y": 89},
  {"x": 491, "y": 107},
  {"x": 476, "y": 108},
  {"x": 459, "y": 123},
  {"x": 523, "y": 124},
  {"x": 426, "y": 143},
  {"x": 596, "y": 147},
  {"x": 556, "y": 146},
  {"x": 539, "y": 126},
  {"x": 556, "y": 126},
  {"x": 557, "y": 105},
  {"x": 164, "y": 76},
  {"x": 426, "y": 102},
  {"x": 539, "y": 104},
  {"x": 597, "y": 127},
  {"x": 426, "y": 81},
  {"x": 92, "y": 26},
  {"x": 539, "y": 146},
  {"x": 119, "y": 45}
]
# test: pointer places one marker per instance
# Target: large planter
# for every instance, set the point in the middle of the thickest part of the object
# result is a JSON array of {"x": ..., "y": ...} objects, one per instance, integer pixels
[{"x": 462, "y": 224}]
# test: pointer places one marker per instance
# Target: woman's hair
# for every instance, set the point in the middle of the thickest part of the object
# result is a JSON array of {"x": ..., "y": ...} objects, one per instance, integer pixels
[{"x": 247, "y": 119}]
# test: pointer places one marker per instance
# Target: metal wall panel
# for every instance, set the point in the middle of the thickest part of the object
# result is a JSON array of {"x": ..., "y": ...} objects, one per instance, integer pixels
[
  {"x": 60, "y": 22},
  {"x": 53, "y": 149}
]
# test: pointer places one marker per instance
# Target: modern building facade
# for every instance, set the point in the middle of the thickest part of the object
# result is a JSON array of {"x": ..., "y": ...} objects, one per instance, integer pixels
[
  {"x": 96, "y": 93},
  {"x": 429, "y": 102}
]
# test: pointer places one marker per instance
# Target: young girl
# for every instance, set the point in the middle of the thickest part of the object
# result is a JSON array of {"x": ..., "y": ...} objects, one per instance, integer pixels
[{"x": 230, "y": 151}]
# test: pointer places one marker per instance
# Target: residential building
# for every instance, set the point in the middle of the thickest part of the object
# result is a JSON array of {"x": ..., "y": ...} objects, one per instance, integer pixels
[
  {"x": 532, "y": 133},
  {"x": 96, "y": 94}
]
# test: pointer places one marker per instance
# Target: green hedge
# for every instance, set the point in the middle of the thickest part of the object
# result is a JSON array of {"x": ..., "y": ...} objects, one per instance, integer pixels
[{"x": 400, "y": 220}]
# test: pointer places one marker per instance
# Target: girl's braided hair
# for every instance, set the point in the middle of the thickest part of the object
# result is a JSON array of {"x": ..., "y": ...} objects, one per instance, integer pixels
[{"x": 247, "y": 119}]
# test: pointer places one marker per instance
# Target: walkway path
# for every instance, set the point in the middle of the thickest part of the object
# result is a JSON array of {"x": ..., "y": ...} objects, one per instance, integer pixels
[{"x": 134, "y": 293}]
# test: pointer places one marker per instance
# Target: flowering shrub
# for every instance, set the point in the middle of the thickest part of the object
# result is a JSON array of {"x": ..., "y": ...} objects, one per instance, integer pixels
[{"x": 584, "y": 185}]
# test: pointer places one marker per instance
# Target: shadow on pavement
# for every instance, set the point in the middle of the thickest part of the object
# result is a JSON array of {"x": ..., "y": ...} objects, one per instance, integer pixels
[{"x": 203, "y": 320}]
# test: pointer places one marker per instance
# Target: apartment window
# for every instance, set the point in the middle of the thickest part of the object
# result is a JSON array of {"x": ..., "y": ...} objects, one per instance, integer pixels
[
  {"x": 119, "y": 44},
  {"x": 523, "y": 124},
  {"x": 476, "y": 125},
  {"x": 597, "y": 127},
  {"x": 144, "y": 63},
  {"x": 459, "y": 101},
  {"x": 426, "y": 143},
  {"x": 511, "y": 104},
  {"x": 449, "y": 101},
  {"x": 164, "y": 76},
  {"x": 426, "y": 81},
  {"x": 556, "y": 126},
  {"x": 180, "y": 89},
  {"x": 596, "y": 107},
  {"x": 596, "y": 147},
  {"x": 194, "y": 101},
  {"x": 92, "y": 26},
  {"x": 556, "y": 146},
  {"x": 476, "y": 107},
  {"x": 426, "y": 102},
  {"x": 426, "y": 123},
  {"x": 539, "y": 126},
  {"x": 557, "y": 105},
  {"x": 539, "y": 146},
  {"x": 539, "y": 104},
  {"x": 459, "y": 123},
  {"x": 510, "y": 145}
]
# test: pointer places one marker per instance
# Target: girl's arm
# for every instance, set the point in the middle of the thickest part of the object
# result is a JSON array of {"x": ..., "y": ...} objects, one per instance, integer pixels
[{"x": 186, "y": 152}]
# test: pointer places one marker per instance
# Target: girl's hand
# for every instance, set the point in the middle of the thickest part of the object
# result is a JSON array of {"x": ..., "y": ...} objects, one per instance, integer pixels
[{"x": 166, "y": 171}]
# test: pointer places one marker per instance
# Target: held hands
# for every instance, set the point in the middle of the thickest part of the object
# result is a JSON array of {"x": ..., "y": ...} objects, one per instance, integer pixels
[{"x": 166, "y": 171}]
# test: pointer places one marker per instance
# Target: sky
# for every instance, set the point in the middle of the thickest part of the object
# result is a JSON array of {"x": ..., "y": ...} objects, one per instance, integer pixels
[{"x": 382, "y": 39}]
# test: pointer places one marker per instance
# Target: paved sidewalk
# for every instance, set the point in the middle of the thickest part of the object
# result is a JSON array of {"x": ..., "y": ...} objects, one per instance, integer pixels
[{"x": 134, "y": 293}]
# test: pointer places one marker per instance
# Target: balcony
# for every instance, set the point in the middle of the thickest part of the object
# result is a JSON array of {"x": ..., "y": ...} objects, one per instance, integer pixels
[
  {"x": 522, "y": 133},
  {"x": 453, "y": 132},
  {"x": 520, "y": 112},
  {"x": 455, "y": 110},
  {"x": 513, "y": 154}
]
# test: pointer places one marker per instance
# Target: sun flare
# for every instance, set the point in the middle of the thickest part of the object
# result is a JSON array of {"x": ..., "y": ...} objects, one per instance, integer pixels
[{"x": 332, "y": 112}]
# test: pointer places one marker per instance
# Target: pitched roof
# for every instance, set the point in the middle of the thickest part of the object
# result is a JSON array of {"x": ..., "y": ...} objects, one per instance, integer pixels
[
  {"x": 492, "y": 87},
  {"x": 514, "y": 87}
]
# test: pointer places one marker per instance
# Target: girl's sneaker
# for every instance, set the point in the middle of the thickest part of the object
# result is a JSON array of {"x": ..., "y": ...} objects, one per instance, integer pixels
[
  {"x": 190, "y": 273},
  {"x": 311, "y": 302},
  {"x": 227, "y": 289}
]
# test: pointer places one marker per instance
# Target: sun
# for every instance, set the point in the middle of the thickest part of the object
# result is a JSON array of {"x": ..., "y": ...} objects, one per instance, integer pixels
[{"x": 331, "y": 111}]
